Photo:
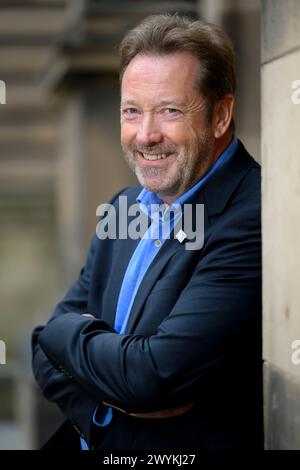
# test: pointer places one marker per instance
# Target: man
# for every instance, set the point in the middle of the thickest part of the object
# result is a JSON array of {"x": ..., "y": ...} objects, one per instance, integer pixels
[{"x": 157, "y": 345}]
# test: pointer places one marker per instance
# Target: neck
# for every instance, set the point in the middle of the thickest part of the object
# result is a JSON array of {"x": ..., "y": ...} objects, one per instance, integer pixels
[{"x": 221, "y": 144}]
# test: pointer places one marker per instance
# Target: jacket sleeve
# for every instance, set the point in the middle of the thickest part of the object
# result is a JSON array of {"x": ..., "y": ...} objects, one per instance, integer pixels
[
  {"x": 60, "y": 387},
  {"x": 217, "y": 313}
]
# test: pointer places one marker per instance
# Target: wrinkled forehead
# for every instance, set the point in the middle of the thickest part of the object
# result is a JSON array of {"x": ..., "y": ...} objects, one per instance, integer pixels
[{"x": 164, "y": 76}]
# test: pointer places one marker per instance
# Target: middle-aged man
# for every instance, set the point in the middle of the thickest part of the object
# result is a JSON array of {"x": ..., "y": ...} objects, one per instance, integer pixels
[{"x": 157, "y": 345}]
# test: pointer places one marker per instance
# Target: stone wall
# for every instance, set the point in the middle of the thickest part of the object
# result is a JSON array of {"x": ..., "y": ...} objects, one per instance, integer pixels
[{"x": 281, "y": 220}]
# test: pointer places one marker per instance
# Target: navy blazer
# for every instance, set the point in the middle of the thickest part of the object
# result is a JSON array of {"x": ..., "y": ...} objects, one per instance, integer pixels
[{"x": 194, "y": 332}]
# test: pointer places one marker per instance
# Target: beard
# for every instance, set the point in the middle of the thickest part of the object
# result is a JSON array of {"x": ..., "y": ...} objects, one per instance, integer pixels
[{"x": 175, "y": 177}]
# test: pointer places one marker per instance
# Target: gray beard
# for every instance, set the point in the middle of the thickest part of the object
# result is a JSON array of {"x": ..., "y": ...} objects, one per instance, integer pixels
[{"x": 204, "y": 150}]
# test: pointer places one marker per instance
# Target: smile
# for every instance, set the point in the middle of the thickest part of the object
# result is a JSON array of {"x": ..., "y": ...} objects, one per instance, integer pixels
[
  {"x": 153, "y": 156},
  {"x": 157, "y": 156}
]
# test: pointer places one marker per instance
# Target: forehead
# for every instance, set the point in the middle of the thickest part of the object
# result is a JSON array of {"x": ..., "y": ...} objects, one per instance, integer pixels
[{"x": 152, "y": 75}]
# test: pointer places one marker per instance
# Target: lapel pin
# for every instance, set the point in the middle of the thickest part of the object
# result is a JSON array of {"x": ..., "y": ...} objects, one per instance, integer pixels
[{"x": 180, "y": 235}]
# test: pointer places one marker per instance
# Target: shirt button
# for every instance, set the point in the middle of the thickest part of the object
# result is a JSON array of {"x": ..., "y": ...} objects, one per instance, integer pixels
[{"x": 157, "y": 243}]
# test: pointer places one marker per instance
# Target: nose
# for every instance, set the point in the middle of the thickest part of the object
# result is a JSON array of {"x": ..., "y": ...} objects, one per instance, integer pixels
[{"x": 148, "y": 132}]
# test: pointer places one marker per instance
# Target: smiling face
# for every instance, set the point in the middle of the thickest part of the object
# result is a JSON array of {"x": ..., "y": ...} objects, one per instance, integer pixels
[{"x": 165, "y": 135}]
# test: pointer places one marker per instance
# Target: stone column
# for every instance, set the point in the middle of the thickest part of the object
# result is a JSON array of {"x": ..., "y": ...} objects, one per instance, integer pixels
[
  {"x": 281, "y": 220},
  {"x": 241, "y": 21}
]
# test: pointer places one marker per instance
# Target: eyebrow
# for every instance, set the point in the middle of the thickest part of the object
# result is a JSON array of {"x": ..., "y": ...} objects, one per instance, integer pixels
[
  {"x": 173, "y": 102},
  {"x": 128, "y": 102},
  {"x": 161, "y": 103}
]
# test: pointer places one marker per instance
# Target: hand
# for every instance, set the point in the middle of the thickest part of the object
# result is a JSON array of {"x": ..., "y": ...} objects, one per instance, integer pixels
[{"x": 87, "y": 315}]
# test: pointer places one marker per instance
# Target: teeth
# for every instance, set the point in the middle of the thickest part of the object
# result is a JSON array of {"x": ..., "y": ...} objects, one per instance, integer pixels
[{"x": 154, "y": 157}]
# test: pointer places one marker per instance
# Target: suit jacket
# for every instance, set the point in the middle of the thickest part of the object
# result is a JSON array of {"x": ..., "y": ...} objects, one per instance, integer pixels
[{"x": 194, "y": 332}]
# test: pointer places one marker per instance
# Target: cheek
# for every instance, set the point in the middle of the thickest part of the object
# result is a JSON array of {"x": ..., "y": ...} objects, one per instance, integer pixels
[
  {"x": 127, "y": 133},
  {"x": 179, "y": 133},
  {"x": 193, "y": 130}
]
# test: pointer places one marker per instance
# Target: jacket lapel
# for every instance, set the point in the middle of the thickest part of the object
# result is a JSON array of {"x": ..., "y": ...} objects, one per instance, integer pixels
[
  {"x": 168, "y": 249},
  {"x": 122, "y": 252}
]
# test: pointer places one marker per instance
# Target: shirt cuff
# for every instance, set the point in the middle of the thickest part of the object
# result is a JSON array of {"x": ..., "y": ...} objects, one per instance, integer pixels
[{"x": 102, "y": 416}]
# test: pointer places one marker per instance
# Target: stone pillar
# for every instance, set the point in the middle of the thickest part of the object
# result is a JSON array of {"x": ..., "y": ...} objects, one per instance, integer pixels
[
  {"x": 281, "y": 220},
  {"x": 241, "y": 21}
]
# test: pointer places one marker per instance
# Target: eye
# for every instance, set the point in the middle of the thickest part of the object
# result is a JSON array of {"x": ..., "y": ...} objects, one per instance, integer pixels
[
  {"x": 171, "y": 111},
  {"x": 130, "y": 112}
]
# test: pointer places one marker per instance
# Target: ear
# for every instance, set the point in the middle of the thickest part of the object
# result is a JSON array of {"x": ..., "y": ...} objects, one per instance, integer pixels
[{"x": 223, "y": 115}]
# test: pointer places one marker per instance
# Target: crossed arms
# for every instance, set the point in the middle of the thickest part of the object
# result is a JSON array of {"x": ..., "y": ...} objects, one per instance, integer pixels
[{"x": 80, "y": 361}]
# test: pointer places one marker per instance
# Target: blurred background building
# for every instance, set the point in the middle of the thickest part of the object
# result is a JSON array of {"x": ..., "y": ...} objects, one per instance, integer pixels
[{"x": 61, "y": 157}]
